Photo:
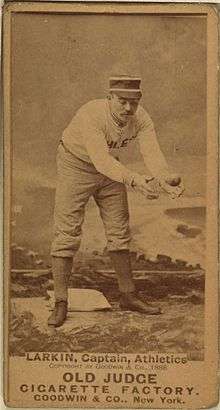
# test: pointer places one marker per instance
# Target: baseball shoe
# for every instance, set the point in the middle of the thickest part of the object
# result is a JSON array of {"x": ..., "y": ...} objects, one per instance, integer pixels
[
  {"x": 130, "y": 301},
  {"x": 58, "y": 317}
]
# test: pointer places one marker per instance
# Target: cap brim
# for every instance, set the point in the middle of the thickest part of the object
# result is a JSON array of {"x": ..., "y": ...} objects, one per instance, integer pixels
[{"x": 134, "y": 94}]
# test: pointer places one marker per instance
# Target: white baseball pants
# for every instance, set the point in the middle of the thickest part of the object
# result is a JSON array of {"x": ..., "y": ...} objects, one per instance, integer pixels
[{"x": 77, "y": 180}]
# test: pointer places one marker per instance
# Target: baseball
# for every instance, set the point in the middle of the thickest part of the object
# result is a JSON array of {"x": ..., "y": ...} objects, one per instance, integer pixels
[{"x": 173, "y": 180}]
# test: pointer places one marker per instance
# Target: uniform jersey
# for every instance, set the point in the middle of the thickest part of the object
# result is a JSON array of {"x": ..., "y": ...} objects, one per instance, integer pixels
[{"x": 94, "y": 133}]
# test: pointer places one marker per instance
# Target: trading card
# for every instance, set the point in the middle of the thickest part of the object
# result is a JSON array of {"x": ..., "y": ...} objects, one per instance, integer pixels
[{"x": 110, "y": 205}]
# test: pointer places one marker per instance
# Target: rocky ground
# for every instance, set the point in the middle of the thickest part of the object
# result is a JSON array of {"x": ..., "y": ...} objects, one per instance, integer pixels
[{"x": 178, "y": 289}]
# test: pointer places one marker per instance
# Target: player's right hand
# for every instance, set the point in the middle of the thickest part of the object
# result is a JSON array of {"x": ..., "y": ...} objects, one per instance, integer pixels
[{"x": 141, "y": 183}]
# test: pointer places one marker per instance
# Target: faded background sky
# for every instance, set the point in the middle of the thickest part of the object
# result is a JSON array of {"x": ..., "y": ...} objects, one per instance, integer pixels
[{"x": 60, "y": 62}]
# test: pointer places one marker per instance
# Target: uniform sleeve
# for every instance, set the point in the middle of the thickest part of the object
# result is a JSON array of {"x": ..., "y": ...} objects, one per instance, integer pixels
[
  {"x": 149, "y": 146},
  {"x": 97, "y": 148}
]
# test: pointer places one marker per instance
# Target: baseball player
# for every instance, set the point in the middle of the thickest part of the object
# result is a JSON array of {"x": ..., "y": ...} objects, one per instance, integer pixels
[{"x": 88, "y": 165}]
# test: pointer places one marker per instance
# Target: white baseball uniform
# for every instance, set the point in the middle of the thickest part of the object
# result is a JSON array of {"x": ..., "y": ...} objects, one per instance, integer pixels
[{"x": 86, "y": 169}]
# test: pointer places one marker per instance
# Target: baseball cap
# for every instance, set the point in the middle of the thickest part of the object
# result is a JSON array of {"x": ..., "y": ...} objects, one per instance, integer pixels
[{"x": 125, "y": 86}]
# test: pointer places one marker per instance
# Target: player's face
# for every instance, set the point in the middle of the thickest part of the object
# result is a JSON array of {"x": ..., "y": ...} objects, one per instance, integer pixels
[{"x": 124, "y": 108}]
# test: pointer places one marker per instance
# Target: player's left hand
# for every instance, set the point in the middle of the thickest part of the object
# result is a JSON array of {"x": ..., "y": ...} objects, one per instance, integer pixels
[{"x": 172, "y": 185}]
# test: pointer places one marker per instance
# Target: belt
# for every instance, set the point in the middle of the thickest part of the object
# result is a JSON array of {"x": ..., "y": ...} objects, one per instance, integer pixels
[{"x": 67, "y": 150}]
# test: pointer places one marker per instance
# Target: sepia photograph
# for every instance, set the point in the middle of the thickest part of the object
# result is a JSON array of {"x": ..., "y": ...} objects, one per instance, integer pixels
[{"x": 109, "y": 157}]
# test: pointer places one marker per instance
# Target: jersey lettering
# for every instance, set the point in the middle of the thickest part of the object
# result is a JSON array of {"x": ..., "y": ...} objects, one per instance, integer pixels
[
  {"x": 112, "y": 144},
  {"x": 121, "y": 144}
]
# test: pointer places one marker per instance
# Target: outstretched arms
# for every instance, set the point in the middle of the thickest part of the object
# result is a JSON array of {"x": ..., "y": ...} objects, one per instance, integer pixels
[{"x": 155, "y": 160}]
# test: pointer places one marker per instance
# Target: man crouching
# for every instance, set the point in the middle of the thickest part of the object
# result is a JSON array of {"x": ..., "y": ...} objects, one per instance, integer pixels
[{"x": 88, "y": 165}]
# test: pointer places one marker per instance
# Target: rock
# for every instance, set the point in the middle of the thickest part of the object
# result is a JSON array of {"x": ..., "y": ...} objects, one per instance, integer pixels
[
  {"x": 164, "y": 259},
  {"x": 189, "y": 232},
  {"x": 180, "y": 263}
]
